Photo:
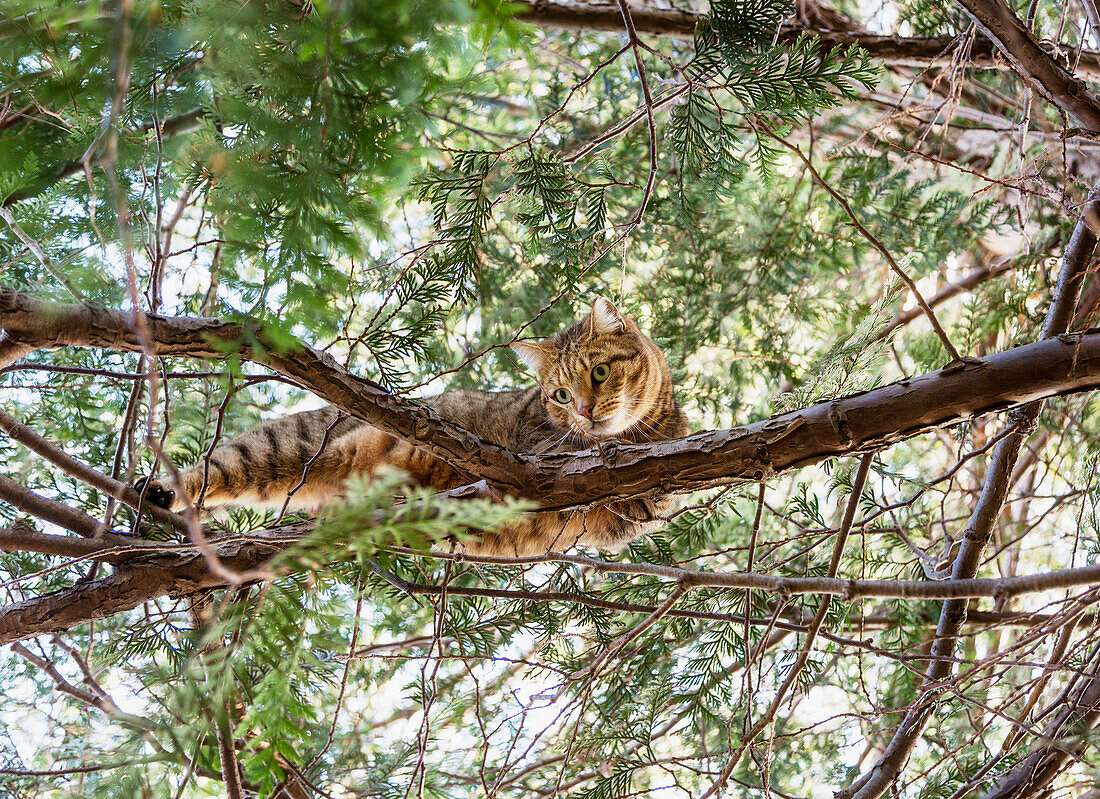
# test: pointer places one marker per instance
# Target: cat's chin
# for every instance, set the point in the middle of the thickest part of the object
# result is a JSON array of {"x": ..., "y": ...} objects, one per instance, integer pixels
[{"x": 600, "y": 430}]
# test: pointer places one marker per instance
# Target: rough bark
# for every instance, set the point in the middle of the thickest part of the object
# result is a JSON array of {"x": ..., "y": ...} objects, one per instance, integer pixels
[{"x": 178, "y": 572}]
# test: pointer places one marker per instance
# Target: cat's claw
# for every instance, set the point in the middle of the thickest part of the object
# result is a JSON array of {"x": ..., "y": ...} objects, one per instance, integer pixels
[{"x": 155, "y": 492}]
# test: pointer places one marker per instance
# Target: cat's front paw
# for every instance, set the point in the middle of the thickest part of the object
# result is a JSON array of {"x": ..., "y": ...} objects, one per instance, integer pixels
[{"x": 155, "y": 492}]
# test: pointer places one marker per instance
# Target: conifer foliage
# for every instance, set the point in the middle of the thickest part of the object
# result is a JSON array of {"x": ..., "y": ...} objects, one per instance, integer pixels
[{"x": 797, "y": 201}]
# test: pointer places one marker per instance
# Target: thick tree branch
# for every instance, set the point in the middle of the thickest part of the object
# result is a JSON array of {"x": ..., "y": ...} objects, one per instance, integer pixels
[
  {"x": 108, "y": 548},
  {"x": 50, "y": 324},
  {"x": 847, "y": 425},
  {"x": 170, "y": 571},
  {"x": 893, "y": 50},
  {"x": 150, "y": 569}
]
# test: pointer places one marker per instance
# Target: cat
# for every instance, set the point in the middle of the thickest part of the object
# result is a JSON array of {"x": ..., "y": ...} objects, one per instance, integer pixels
[{"x": 599, "y": 379}]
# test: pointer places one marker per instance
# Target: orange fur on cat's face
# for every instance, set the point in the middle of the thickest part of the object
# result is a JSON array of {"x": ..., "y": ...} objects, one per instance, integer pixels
[{"x": 601, "y": 378}]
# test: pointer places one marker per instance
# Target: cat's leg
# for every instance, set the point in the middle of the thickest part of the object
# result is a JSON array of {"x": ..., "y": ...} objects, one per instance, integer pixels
[
  {"x": 534, "y": 534},
  {"x": 609, "y": 527}
]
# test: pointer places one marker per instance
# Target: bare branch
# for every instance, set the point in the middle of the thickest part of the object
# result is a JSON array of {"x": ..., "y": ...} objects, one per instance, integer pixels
[
  {"x": 1065, "y": 738},
  {"x": 803, "y": 656},
  {"x": 977, "y": 277},
  {"x": 100, "y": 702}
]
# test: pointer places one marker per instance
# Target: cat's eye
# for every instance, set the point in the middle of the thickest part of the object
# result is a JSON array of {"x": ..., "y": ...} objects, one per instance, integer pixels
[
  {"x": 600, "y": 372},
  {"x": 562, "y": 395}
]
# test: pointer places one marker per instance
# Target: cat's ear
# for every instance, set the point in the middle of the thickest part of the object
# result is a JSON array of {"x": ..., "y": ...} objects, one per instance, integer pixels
[
  {"x": 533, "y": 354},
  {"x": 606, "y": 318}
]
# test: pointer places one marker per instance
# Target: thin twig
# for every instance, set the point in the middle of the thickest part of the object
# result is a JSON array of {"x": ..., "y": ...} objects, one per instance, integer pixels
[
  {"x": 811, "y": 634},
  {"x": 878, "y": 245}
]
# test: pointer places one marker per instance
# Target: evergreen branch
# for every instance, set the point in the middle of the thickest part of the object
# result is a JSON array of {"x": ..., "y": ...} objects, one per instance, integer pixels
[
  {"x": 878, "y": 245},
  {"x": 184, "y": 123},
  {"x": 176, "y": 571},
  {"x": 616, "y": 646}
]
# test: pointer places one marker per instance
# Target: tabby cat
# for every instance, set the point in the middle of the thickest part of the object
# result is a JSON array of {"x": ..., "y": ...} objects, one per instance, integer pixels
[{"x": 599, "y": 379}]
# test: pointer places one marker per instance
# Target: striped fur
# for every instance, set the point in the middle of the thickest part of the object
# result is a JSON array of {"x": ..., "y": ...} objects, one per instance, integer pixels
[{"x": 302, "y": 461}]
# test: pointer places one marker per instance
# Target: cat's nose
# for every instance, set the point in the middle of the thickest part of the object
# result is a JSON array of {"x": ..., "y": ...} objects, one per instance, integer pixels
[{"x": 583, "y": 406}]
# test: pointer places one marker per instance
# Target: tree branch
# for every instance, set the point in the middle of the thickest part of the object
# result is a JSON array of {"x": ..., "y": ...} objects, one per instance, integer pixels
[
  {"x": 977, "y": 277},
  {"x": 980, "y": 525},
  {"x": 100, "y": 702},
  {"x": 1066, "y": 737},
  {"x": 893, "y": 50},
  {"x": 18, "y": 431},
  {"x": 22, "y": 498},
  {"x": 150, "y": 569},
  {"x": 52, "y": 324},
  {"x": 1034, "y": 64}
]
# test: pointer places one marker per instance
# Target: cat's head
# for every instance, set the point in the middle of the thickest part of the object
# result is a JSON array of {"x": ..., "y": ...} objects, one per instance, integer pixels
[{"x": 601, "y": 377}]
